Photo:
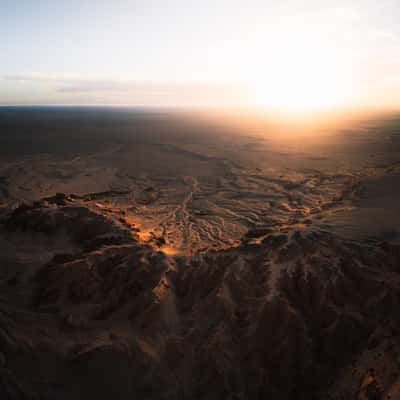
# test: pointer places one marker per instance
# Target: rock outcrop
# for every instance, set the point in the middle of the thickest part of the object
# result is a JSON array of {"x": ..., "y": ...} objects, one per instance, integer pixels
[{"x": 302, "y": 314}]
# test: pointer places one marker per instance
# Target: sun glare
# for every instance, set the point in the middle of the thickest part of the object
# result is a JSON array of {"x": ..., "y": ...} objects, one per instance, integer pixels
[{"x": 299, "y": 74}]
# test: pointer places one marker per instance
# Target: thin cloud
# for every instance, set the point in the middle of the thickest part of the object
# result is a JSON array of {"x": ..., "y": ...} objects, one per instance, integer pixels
[
  {"x": 127, "y": 90},
  {"x": 65, "y": 84}
]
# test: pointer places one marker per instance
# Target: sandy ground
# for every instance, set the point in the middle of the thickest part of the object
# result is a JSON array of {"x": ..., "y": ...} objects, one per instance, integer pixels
[
  {"x": 139, "y": 250},
  {"x": 204, "y": 192}
]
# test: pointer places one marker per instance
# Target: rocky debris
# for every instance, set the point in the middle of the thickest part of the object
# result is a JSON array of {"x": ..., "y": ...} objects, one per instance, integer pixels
[
  {"x": 105, "y": 194},
  {"x": 4, "y": 191},
  {"x": 118, "y": 277},
  {"x": 370, "y": 389},
  {"x": 59, "y": 199},
  {"x": 60, "y": 214},
  {"x": 148, "y": 196},
  {"x": 281, "y": 319},
  {"x": 257, "y": 232}
]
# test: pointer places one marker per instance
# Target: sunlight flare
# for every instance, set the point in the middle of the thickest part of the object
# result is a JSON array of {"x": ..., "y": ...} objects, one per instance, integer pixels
[{"x": 298, "y": 73}]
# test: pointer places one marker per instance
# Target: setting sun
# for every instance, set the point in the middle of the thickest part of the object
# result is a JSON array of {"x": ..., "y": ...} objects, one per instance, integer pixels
[
  {"x": 282, "y": 57},
  {"x": 200, "y": 199},
  {"x": 298, "y": 73}
]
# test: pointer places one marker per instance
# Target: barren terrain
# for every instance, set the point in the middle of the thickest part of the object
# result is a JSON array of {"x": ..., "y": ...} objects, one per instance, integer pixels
[{"x": 167, "y": 256}]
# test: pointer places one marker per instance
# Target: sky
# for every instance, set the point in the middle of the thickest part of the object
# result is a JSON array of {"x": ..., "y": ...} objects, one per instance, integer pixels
[{"x": 222, "y": 53}]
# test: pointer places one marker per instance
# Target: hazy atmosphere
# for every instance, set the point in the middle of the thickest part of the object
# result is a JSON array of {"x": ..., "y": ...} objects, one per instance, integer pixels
[
  {"x": 285, "y": 55},
  {"x": 200, "y": 200}
]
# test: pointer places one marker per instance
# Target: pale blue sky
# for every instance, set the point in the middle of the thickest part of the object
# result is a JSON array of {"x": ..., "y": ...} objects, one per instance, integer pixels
[{"x": 177, "y": 53}]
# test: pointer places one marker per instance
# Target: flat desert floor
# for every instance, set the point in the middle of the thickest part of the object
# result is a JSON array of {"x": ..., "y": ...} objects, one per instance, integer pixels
[{"x": 159, "y": 255}]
